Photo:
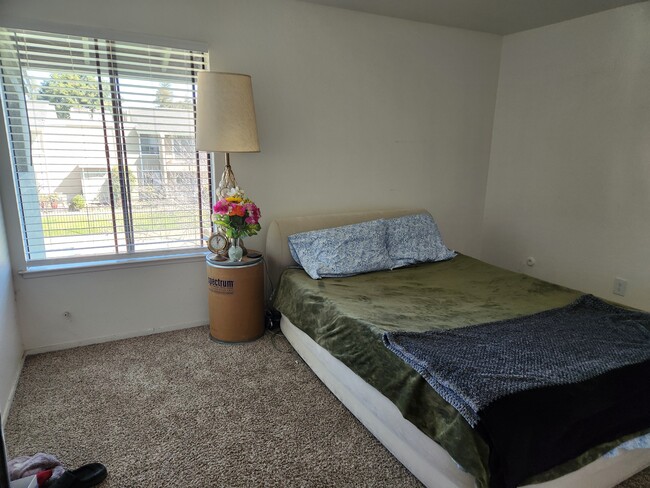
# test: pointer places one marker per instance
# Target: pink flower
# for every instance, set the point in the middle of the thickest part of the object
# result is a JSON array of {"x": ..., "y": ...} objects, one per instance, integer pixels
[
  {"x": 253, "y": 213},
  {"x": 222, "y": 207}
]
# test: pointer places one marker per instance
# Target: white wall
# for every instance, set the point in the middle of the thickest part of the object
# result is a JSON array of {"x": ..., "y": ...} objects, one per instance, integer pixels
[
  {"x": 355, "y": 111},
  {"x": 569, "y": 179},
  {"x": 11, "y": 347}
]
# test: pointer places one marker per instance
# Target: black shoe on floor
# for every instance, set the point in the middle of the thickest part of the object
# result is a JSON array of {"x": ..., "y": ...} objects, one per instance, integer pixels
[{"x": 84, "y": 477}]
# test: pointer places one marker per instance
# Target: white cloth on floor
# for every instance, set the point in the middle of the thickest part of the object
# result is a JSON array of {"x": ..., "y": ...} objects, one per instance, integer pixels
[{"x": 24, "y": 466}]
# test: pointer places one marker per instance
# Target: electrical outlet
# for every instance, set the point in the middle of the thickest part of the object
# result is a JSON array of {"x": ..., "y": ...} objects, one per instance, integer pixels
[{"x": 620, "y": 286}]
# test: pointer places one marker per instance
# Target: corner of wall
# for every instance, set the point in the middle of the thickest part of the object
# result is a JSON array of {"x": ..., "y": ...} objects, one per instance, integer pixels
[
  {"x": 482, "y": 232},
  {"x": 12, "y": 352}
]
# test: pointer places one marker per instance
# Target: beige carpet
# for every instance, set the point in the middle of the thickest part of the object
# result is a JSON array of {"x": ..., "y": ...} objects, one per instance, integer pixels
[{"x": 178, "y": 410}]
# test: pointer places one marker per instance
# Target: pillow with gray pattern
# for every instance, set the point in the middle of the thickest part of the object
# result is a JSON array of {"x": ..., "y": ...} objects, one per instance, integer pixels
[
  {"x": 415, "y": 239},
  {"x": 342, "y": 251}
]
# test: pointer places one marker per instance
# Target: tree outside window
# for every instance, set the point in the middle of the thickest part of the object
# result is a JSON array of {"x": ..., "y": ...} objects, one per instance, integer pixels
[{"x": 67, "y": 90}]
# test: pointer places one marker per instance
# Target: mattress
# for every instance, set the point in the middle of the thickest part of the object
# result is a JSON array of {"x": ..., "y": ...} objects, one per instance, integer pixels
[
  {"x": 348, "y": 316},
  {"x": 423, "y": 457}
]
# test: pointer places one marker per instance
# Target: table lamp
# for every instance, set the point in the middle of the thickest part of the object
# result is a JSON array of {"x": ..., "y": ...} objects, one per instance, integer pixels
[{"x": 225, "y": 122}]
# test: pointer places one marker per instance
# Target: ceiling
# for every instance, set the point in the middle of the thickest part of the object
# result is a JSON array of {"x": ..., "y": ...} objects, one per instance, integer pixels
[{"x": 495, "y": 16}]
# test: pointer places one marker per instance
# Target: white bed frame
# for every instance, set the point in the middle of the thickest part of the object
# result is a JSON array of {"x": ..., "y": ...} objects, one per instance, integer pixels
[{"x": 423, "y": 457}]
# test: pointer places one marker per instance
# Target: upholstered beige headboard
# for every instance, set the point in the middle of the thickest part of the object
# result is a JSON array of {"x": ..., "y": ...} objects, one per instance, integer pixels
[{"x": 277, "y": 248}]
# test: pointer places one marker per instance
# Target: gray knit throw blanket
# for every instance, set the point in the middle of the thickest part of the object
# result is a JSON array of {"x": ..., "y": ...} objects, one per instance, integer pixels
[{"x": 472, "y": 366}]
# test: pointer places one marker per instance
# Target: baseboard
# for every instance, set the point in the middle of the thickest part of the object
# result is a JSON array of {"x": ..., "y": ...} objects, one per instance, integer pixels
[
  {"x": 110, "y": 338},
  {"x": 10, "y": 399}
]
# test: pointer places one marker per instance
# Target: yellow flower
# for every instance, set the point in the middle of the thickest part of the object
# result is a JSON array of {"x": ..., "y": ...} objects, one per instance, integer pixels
[{"x": 234, "y": 199}]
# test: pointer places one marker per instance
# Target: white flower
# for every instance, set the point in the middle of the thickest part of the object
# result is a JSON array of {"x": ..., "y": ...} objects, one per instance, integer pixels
[{"x": 235, "y": 192}]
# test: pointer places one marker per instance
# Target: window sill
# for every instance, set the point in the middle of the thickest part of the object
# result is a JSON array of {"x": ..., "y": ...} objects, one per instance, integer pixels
[{"x": 93, "y": 266}]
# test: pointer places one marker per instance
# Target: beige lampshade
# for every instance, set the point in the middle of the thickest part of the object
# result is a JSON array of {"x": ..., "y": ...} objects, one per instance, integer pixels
[{"x": 225, "y": 113}]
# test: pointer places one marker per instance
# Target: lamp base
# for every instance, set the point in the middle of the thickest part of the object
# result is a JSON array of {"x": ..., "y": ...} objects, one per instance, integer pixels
[
  {"x": 227, "y": 188},
  {"x": 227, "y": 185}
]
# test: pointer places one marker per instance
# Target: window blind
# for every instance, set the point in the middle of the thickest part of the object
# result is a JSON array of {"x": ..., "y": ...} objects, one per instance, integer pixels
[{"x": 101, "y": 135}]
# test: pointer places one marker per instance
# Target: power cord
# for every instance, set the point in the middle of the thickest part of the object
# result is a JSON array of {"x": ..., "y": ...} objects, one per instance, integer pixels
[
  {"x": 285, "y": 347},
  {"x": 272, "y": 317}
]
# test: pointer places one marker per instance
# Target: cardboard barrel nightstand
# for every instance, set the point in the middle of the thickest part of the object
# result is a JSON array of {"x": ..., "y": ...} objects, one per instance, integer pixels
[{"x": 236, "y": 299}]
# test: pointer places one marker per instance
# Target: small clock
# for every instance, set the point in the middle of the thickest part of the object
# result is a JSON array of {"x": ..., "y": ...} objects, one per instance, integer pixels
[{"x": 217, "y": 243}]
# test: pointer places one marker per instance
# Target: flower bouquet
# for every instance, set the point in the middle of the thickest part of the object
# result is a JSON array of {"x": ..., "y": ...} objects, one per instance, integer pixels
[{"x": 237, "y": 217}]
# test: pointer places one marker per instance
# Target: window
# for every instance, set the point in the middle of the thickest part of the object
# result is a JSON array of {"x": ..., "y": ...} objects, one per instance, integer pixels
[
  {"x": 149, "y": 144},
  {"x": 182, "y": 146},
  {"x": 109, "y": 125},
  {"x": 150, "y": 166}
]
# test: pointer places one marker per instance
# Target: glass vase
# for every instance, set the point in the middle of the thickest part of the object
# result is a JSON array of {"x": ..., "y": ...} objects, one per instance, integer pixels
[{"x": 235, "y": 252}]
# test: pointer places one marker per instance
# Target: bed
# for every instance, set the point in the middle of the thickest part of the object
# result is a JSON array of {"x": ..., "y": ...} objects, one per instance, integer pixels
[{"x": 389, "y": 397}]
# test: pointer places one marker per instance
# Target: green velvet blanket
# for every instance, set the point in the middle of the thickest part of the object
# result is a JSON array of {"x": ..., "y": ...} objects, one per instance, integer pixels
[{"x": 348, "y": 316}]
